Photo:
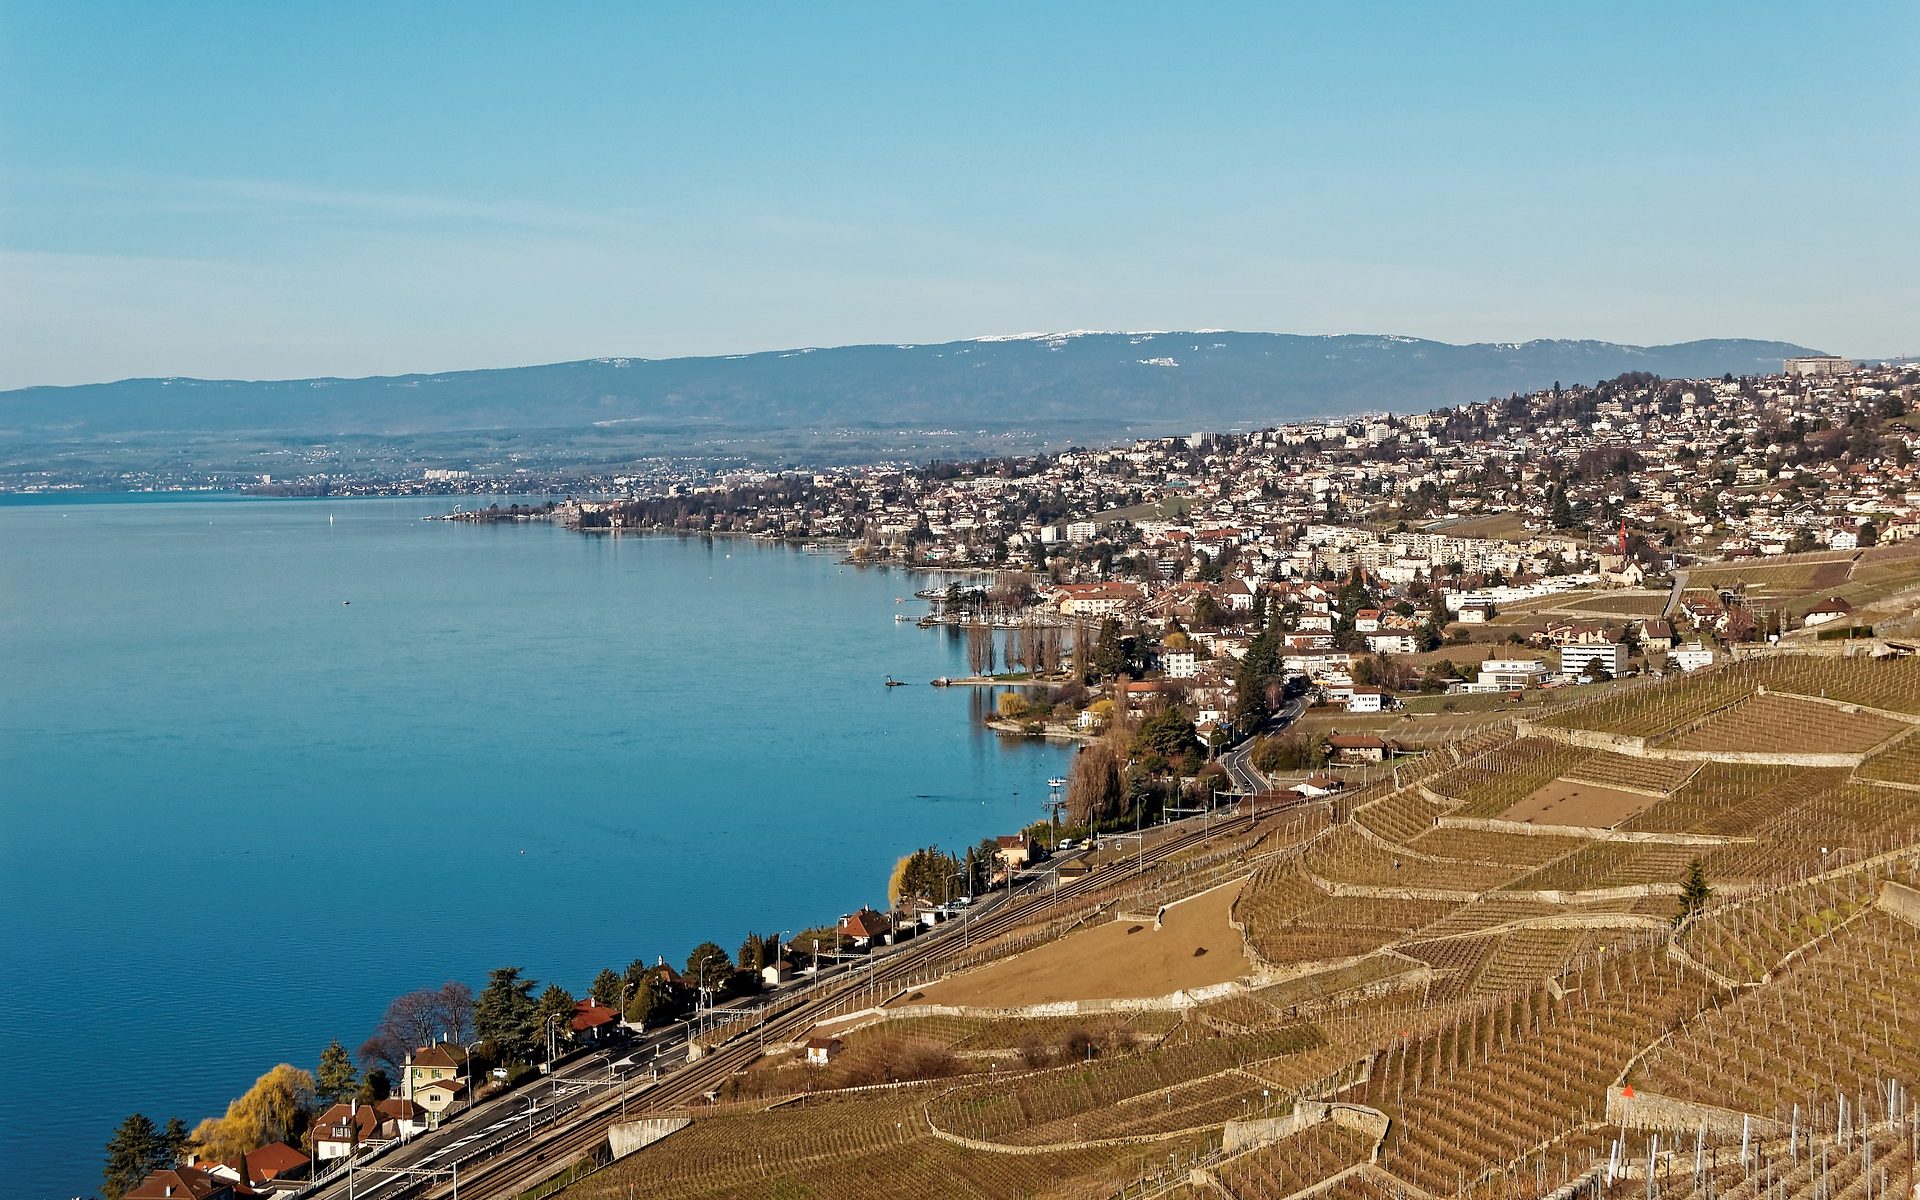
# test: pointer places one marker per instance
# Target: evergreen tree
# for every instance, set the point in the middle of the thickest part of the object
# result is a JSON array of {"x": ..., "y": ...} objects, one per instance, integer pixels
[
  {"x": 714, "y": 961},
  {"x": 606, "y": 987},
  {"x": 136, "y": 1150},
  {"x": 1694, "y": 893},
  {"x": 553, "y": 1017},
  {"x": 504, "y": 1016},
  {"x": 336, "y": 1079}
]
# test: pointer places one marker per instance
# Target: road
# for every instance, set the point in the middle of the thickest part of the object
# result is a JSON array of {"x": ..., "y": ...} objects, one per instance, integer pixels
[
  {"x": 1237, "y": 760},
  {"x": 505, "y": 1145}
]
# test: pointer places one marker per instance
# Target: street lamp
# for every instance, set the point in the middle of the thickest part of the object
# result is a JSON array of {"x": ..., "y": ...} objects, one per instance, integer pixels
[{"x": 551, "y": 1018}]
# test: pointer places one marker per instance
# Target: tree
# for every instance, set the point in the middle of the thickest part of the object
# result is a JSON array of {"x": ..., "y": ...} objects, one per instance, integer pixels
[
  {"x": 376, "y": 1085},
  {"x": 553, "y": 1016},
  {"x": 1694, "y": 893},
  {"x": 1095, "y": 791},
  {"x": 336, "y": 1079},
  {"x": 1560, "y": 512},
  {"x": 504, "y": 1015},
  {"x": 274, "y": 1109},
  {"x": 923, "y": 875},
  {"x": 708, "y": 965},
  {"x": 1109, "y": 655},
  {"x": 419, "y": 1018},
  {"x": 137, "y": 1149},
  {"x": 606, "y": 987},
  {"x": 1165, "y": 740}
]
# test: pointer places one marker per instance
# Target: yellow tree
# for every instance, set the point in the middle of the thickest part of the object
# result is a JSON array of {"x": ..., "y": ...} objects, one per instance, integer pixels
[{"x": 272, "y": 1110}]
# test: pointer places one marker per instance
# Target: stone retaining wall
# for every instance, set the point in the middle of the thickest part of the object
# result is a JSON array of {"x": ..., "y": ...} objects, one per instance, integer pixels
[
  {"x": 624, "y": 1139},
  {"x": 1647, "y": 1110},
  {"x": 1589, "y": 832},
  {"x": 1633, "y": 747},
  {"x": 1899, "y": 900}
]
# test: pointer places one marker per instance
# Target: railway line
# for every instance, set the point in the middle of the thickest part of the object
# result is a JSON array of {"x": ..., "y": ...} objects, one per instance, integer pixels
[{"x": 497, "y": 1161}]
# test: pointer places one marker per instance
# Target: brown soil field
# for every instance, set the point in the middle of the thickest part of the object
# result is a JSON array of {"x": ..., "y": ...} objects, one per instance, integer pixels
[
  {"x": 1107, "y": 962},
  {"x": 1565, "y": 802}
]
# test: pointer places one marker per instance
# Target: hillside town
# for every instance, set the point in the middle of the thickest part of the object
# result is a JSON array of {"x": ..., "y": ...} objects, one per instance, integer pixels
[{"x": 1446, "y": 552}]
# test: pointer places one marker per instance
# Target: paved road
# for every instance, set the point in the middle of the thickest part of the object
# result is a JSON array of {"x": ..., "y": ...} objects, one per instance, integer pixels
[{"x": 1237, "y": 761}]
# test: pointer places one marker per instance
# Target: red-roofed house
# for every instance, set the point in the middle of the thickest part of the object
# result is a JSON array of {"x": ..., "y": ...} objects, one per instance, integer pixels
[
  {"x": 593, "y": 1021},
  {"x": 187, "y": 1183}
]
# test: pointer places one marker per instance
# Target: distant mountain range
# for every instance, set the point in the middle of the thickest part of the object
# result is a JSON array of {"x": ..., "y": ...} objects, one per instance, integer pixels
[{"x": 1200, "y": 380}]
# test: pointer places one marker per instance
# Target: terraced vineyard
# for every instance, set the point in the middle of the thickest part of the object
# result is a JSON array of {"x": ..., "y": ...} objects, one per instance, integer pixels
[
  {"x": 1898, "y": 763},
  {"x": 1787, "y": 724},
  {"x": 1840, "y": 1019},
  {"x": 1486, "y": 990},
  {"x": 1603, "y": 865},
  {"x": 1518, "y": 850},
  {"x": 1649, "y": 712},
  {"x": 1731, "y": 800},
  {"x": 1286, "y": 1166},
  {"x": 1345, "y": 856},
  {"x": 1745, "y": 940},
  {"x": 1497, "y": 781},
  {"x": 1634, "y": 774},
  {"x": 1077, "y": 1103}
]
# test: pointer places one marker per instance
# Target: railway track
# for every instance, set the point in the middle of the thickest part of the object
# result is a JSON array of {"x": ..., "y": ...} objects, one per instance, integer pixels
[{"x": 504, "y": 1168}]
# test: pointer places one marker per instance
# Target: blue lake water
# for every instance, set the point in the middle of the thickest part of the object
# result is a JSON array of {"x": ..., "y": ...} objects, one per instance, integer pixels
[{"x": 237, "y": 815}]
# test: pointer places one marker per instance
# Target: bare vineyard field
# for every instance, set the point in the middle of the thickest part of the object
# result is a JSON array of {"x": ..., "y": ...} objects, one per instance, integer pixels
[
  {"x": 1286, "y": 1166},
  {"x": 1510, "y": 849},
  {"x": 1624, "y": 771},
  {"x": 1840, "y": 1019},
  {"x": 1610, "y": 864},
  {"x": 1898, "y": 763},
  {"x": 1775, "y": 724},
  {"x": 1491, "y": 784},
  {"x": 1576, "y": 803}
]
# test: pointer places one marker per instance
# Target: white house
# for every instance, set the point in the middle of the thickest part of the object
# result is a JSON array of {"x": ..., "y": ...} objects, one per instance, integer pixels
[
  {"x": 1366, "y": 700},
  {"x": 1690, "y": 658},
  {"x": 1831, "y": 609},
  {"x": 1391, "y": 643}
]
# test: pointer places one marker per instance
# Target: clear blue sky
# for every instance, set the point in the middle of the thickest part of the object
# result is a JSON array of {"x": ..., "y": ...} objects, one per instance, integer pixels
[{"x": 259, "y": 190}]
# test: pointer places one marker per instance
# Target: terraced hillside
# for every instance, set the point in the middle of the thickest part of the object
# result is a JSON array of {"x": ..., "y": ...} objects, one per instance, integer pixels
[{"x": 1479, "y": 984}]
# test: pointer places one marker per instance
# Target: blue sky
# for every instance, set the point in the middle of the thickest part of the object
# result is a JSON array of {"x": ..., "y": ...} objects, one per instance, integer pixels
[{"x": 270, "y": 190}]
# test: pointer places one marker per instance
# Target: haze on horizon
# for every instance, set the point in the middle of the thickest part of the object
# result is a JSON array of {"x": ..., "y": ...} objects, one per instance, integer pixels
[{"x": 232, "y": 191}]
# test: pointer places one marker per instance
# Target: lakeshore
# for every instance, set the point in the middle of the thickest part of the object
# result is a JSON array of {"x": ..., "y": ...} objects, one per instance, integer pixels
[{"x": 496, "y": 720}]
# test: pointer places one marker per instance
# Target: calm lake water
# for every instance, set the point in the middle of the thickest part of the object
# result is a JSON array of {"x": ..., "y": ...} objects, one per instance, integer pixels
[{"x": 237, "y": 815}]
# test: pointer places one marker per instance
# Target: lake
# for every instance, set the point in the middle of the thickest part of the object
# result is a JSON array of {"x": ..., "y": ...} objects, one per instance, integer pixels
[{"x": 266, "y": 764}]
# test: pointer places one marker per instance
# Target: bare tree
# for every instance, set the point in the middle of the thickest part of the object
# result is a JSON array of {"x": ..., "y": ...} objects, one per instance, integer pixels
[
  {"x": 1095, "y": 790},
  {"x": 418, "y": 1019}
]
